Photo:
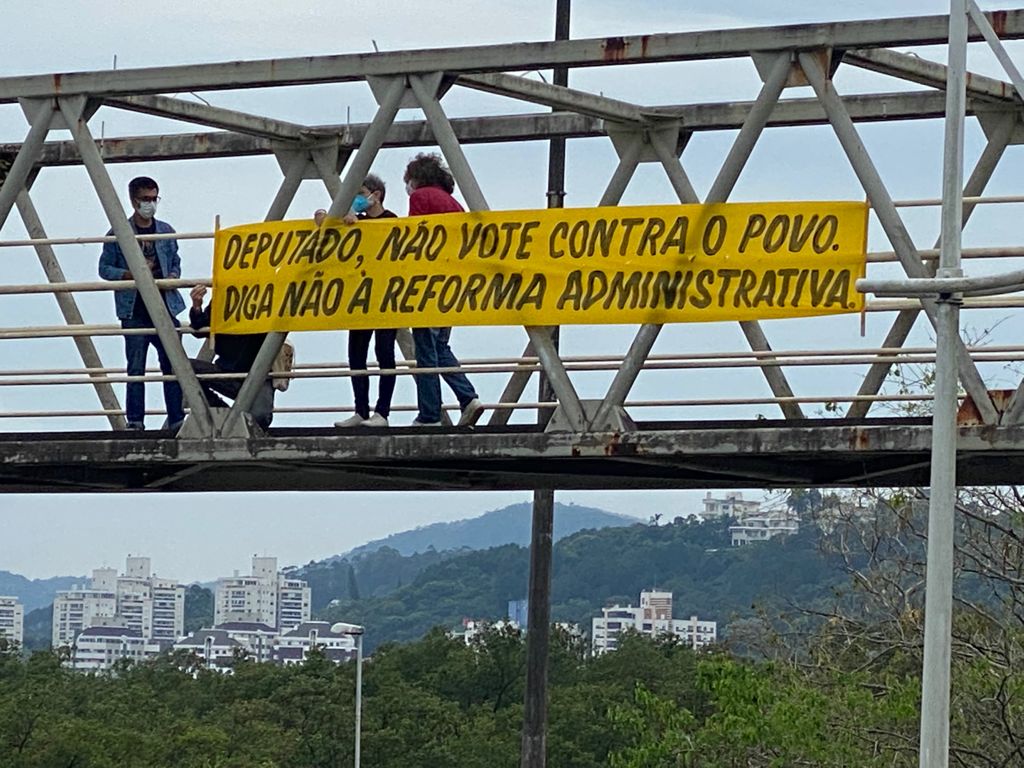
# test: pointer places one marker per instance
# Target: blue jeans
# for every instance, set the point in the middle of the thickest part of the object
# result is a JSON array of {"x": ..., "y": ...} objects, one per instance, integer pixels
[
  {"x": 432, "y": 351},
  {"x": 136, "y": 349}
]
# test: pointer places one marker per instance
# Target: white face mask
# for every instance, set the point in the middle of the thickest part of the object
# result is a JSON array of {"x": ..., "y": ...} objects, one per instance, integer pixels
[{"x": 147, "y": 209}]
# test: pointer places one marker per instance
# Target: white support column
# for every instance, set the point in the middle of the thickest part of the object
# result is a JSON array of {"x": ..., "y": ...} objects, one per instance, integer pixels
[{"x": 938, "y": 610}]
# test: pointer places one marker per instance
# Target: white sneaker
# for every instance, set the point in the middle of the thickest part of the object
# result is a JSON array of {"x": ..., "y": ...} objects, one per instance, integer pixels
[
  {"x": 471, "y": 413},
  {"x": 376, "y": 420},
  {"x": 417, "y": 423},
  {"x": 355, "y": 420}
]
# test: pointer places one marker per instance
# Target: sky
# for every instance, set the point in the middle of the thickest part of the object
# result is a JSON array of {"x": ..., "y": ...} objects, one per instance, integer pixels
[{"x": 202, "y": 536}]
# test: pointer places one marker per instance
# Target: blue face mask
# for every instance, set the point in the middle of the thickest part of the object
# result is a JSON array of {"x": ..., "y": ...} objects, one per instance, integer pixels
[{"x": 361, "y": 204}]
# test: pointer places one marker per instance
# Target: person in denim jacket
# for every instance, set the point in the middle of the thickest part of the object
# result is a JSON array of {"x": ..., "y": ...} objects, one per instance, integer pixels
[{"x": 164, "y": 262}]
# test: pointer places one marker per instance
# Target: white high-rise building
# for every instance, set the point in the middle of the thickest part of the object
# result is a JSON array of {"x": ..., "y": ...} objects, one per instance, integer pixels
[
  {"x": 76, "y": 609},
  {"x": 265, "y": 597},
  {"x": 12, "y": 620},
  {"x": 652, "y": 618},
  {"x": 138, "y": 601}
]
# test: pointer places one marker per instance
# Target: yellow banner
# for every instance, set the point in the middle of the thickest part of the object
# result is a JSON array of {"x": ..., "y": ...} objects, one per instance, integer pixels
[{"x": 649, "y": 264}]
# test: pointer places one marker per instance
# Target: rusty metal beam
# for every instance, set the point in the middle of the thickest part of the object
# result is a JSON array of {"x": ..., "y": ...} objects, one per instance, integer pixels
[
  {"x": 592, "y": 52},
  {"x": 504, "y": 128}
]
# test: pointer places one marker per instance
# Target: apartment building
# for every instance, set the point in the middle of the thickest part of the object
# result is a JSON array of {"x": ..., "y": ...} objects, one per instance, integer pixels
[
  {"x": 12, "y": 620},
  {"x": 652, "y": 618},
  {"x": 265, "y": 597},
  {"x": 293, "y": 646},
  {"x": 763, "y": 527},
  {"x": 136, "y": 599},
  {"x": 733, "y": 505},
  {"x": 99, "y": 648}
]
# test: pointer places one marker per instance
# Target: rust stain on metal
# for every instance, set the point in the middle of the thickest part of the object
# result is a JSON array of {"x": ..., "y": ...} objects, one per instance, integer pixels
[
  {"x": 999, "y": 22},
  {"x": 967, "y": 415},
  {"x": 615, "y": 48},
  {"x": 57, "y": 83},
  {"x": 860, "y": 441},
  {"x": 643, "y": 46}
]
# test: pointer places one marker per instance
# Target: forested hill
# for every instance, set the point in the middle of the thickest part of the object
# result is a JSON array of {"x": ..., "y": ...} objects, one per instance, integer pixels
[
  {"x": 35, "y": 593},
  {"x": 508, "y": 525},
  {"x": 594, "y": 568}
]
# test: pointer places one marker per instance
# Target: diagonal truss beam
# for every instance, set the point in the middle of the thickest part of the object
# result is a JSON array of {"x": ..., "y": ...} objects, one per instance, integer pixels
[
  {"x": 555, "y": 96},
  {"x": 877, "y": 373},
  {"x": 69, "y": 309},
  {"x": 728, "y": 174},
  {"x": 354, "y": 177},
  {"x": 73, "y": 109},
  {"x": 214, "y": 117},
  {"x": 41, "y": 114},
  {"x": 924, "y": 72},
  {"x": 982, "y": 22},
  {"x": 890, "y": 220},
  {"x": 541, "y": 339}
]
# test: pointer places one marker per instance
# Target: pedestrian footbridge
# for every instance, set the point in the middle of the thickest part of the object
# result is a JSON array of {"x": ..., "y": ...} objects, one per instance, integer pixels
[{"x": 841, "y": 401}]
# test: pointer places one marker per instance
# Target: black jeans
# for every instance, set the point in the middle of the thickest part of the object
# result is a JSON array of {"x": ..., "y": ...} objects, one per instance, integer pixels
[
  {"x": 384, "y": 349},
  {"x": 262, "y": 407}
]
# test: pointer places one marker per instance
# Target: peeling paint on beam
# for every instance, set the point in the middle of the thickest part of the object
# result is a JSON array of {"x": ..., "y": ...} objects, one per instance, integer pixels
[
  {"x": 537, "y": 127},
  {"x": 593, "y": 52}
]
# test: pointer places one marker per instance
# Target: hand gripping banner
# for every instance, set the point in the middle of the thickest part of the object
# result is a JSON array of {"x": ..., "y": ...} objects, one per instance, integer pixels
[{"x": 583, "y": 266}]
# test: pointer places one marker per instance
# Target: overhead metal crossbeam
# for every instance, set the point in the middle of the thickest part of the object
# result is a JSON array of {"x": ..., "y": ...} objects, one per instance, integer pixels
[
  {"x": 925, "y": 72},
  {"x": 503, "y": 128},
  {"x": 592, "y": 52}
]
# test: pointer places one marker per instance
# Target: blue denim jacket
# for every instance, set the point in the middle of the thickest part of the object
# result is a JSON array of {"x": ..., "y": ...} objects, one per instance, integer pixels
[{"x": 113, "y": 266}]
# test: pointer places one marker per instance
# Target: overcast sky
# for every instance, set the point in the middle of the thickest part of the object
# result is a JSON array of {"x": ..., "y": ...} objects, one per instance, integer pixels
[{"x": 202, "y": 536}]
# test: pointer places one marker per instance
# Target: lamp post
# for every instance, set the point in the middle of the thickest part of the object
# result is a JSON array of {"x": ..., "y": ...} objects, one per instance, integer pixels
[{"x": 356, "y": 631}]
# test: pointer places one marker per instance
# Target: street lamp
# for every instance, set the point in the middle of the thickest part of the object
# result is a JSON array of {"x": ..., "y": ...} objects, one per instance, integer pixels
[{"x": 356, "y": 631}]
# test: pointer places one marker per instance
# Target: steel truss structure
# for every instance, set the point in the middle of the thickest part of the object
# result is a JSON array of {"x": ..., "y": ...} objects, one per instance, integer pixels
[
  {"x": 785, "y": 57},
  {"x": 587, "y": 443}
]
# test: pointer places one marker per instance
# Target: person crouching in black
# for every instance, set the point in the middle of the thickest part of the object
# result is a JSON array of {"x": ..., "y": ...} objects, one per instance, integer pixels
[{"x": 235, "y": 354}]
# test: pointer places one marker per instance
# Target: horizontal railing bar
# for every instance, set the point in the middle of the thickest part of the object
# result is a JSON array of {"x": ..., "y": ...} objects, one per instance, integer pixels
[
  {"x": 55, "y": 331},
  {"x": 97, "y": 239},
  {"x": 611, "y": 365},
  {"x": 469, "y": 363},
  {"x": 165, "y": 283}
]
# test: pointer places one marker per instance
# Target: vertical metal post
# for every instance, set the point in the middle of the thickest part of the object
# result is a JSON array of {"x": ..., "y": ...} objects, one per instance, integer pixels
[
  {"x": 556, "y": 192},
  {"x": 359, "y": 696},
  {"x": 938, "y": 611},
  {"x": 533, "y": 753}
]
